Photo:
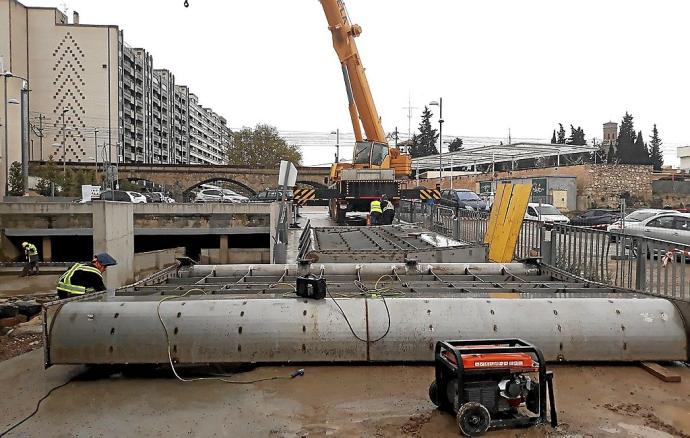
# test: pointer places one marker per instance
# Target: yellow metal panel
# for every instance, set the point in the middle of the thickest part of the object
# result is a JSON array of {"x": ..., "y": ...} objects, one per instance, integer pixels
[
  {"x": 505, "y": 238},
  {"x": 499, "y": 198}
]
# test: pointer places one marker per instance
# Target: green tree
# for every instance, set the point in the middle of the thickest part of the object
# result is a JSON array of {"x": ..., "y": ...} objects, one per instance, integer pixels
[
  {"x": 455, "y": 145},
  {"x": 657, "y": 156},
  {"x": 641, "y": 150},
  {"x": 424, "y": 143},
  {"x": 70, "y": 182},
  {"x": 260, "y": 147},
  {"x": 16, "y": 180},
  {"x": 625, "y": 145},
  {"x": 577, "y": 136},
  {"x": 554, "y": 140},
  {"x": 47, "y": 177},
  {"x": 611, "y": 157},
  {"x": 561, "y": 134}
]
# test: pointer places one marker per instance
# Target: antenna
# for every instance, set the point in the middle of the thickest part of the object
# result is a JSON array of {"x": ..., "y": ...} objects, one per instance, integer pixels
[
  {"x": 64, "y": 7},
  {"x": 409, "y": 109}
]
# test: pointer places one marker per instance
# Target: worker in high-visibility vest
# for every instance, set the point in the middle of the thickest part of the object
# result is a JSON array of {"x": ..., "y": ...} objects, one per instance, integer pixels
[
  {"x": 82, "y": 278},
  {"x": 31, "y": 256},
  {"x": 375, "y": 212},
  {"x": 388, "y": 211}
]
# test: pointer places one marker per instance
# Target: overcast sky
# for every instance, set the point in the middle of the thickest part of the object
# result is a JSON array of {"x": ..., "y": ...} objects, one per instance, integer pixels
[{"x": 498, "y": 64}]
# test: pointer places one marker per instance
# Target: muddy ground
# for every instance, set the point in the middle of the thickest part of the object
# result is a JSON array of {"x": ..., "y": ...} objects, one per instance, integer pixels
[{"x": 367, "y": 401}]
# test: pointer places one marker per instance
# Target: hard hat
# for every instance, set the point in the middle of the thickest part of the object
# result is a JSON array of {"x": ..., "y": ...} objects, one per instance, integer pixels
[
  {"x": 25, "y": 244},
  {"x": 105, "y": 259}
]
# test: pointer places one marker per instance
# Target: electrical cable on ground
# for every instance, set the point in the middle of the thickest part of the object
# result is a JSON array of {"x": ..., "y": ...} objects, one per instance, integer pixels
[
  {"x": 368, "y": 293},
  {"x": 35, "y": 411},
  {"x": 292, "y": 375}
]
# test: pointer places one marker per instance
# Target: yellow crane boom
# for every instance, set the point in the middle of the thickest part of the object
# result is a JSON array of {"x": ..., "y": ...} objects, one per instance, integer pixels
[{"x": 371, "y": 151}]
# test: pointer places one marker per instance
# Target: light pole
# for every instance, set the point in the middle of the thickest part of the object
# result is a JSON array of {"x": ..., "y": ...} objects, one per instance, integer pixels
[
  {"x": 24, "y": 133},
  {"x": 337, "y": 145},
  {"x": 440, "y": 137},
  {"x": 64, "y": 148}
]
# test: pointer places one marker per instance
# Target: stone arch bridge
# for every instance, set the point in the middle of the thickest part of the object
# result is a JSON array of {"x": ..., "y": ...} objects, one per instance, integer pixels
[{"x": 179, "y": 178}]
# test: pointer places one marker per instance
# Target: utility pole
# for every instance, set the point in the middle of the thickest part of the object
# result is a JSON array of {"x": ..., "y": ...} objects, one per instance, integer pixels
[
  {"x": 337, "y": 145},
  {"x": 395, "y": 137},
  {"x": 40, "y": 133},
  {"x": 440, "y": 138},
  {"x": 409, "y": 109},
  {"x": 95, "y": 149}
]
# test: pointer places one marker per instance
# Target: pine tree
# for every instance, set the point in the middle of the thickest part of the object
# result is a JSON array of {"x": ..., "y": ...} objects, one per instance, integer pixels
[
  {"x": 16, "y": 180},
  {"x": 455, "y": 145},
  {"x": 424, "y": 143},
  {"x": 577, "y": 136},
  {"x": 641, "y": 151},
  {"x": 625, "y": 151},
  {"x": 656, "y": 154},
  {"x": 611, "y": 157},
  {"x": 561, "y": 134},
  {"x": 553, "y": 137}
]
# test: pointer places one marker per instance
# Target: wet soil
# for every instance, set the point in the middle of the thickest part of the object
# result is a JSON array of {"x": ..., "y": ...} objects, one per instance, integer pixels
[
  {"x": 350, "y": 401},
  {"x": 11, "y": 346}
]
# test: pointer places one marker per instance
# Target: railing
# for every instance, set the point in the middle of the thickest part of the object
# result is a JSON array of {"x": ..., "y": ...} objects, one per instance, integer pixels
[
  {"x": 639, "y": 263},
  {"x": 647, "y": 265}
]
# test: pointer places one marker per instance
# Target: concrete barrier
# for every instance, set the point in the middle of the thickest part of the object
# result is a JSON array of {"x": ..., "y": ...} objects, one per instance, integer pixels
[{"x": 146, "y": 263}]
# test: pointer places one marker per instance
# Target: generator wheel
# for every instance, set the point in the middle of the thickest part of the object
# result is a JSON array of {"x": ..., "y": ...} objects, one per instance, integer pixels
[
  {"x": 473, "y": 419},
  {"x": 433, "y": 394}
]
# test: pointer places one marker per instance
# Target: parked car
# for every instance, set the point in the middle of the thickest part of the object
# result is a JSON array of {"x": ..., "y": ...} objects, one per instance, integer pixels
[
  {"x": 596, "y": 218},
  {"x": 637, "y": 218},
  {"x": 137, "y": 198},
  {"x": 546, "y": 213},
  {"x": 209, "y": 195},
  {"x": 270, "y": 195},
  {"x": 154, "y": 197},
  {"x": 671, "y": 227},
  {"x": 116, "y": 195},
  {"x": 462, "y": 198},
  {"x": 231, "y": 196}
]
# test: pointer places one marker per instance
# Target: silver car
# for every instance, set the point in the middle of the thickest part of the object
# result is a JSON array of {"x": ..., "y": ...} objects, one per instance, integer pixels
[{"x": 671, "y": 227}]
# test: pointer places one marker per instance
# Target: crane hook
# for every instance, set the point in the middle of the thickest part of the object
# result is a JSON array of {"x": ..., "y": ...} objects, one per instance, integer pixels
[{"x": 186, "y": 3}]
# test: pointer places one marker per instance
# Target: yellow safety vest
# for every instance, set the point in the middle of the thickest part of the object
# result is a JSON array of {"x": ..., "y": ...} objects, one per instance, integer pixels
[
  {"x": 31, "y": 249},
  {"x": 65, "y": 281},
  {"x": 375, "y": 207}
]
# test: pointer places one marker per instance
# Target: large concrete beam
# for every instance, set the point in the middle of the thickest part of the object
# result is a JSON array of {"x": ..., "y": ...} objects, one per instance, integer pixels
[{"x": 113, "y": 232}]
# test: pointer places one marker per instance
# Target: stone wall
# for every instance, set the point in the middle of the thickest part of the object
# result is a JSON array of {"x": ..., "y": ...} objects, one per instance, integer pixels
[
  {"x": 606, "y": 183},
  {"x": 598, "y": 185}
]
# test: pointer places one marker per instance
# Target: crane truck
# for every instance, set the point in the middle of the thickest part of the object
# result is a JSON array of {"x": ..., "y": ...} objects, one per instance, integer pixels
[{"x": 376, "y": 168}]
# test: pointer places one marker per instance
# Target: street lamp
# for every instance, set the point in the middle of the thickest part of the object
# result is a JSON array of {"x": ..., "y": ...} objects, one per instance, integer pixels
[
  {"x": 25, "y": 164},
  {"x": 439, "y": 104},
  {"x": 337, "y": 145}
]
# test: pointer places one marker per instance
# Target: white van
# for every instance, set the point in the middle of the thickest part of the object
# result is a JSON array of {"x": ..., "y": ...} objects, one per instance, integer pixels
[{"x": 546, "y": 213}]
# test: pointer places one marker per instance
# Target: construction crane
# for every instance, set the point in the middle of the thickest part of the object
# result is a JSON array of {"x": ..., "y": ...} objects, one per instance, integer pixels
[{"x": 376, "y": 168}]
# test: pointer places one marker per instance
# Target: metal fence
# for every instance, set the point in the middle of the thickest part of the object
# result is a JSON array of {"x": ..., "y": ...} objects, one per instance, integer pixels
[
  {"x": 647, "y": 265},
  {"x": 633, "y": 262}
]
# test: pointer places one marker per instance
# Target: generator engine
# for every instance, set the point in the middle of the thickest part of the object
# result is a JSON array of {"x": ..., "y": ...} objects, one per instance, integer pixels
[{"x": 491, "y": 384}]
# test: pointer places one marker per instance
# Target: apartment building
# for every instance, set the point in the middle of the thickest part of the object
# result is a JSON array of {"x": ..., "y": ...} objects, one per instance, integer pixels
[{"x": 99, "y": 97}]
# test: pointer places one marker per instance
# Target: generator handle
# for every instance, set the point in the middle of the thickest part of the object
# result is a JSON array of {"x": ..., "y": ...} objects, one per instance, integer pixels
[{"x": 552, "y": 399}]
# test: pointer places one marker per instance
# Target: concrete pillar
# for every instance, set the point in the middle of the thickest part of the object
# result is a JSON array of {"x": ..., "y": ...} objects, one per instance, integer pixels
[
  {"x": 47, "y": 249},
  {"x": 113, "y": 232},
  {"x": 224, "y": 249}
]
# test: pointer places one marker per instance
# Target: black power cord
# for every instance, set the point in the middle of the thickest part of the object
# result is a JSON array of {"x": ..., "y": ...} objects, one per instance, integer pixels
[{"x": 38, "y": 405}]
